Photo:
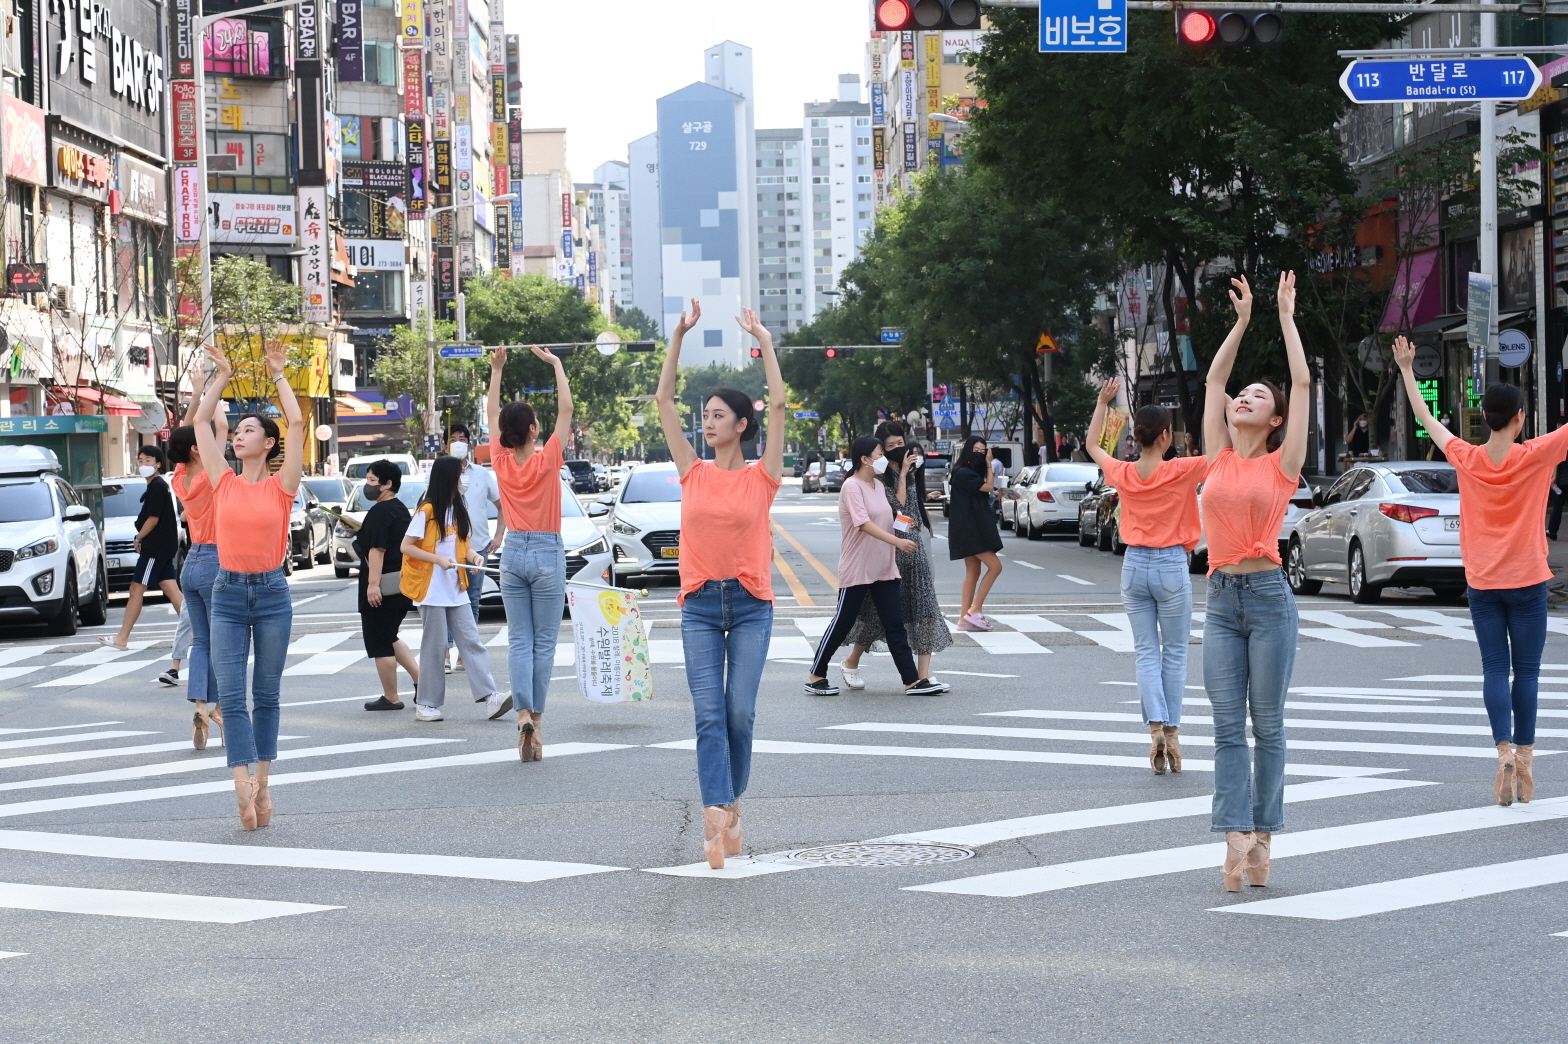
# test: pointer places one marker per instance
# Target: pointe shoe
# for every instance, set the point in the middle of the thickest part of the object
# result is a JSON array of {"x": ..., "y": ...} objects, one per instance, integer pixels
[
  {"x": 1156, "y": 748},
  {"x": 1173, "y": 748},
  {"x": 245, "y": 792},
  {"x": 537, "y": 743},
  {"x": 714, "y": 819},
  {"x": 1524, "y": 772},
  {"x": 732, "y": 831},
  {"x": 198, "y": 731},
  {"x": 1506, "y": 767},
  {"x": 1238, "y": 846},
  {"x": 525, "y": 736},
  {"x": 263, "y": 802},
  {"x": 1258, "y": 860}
]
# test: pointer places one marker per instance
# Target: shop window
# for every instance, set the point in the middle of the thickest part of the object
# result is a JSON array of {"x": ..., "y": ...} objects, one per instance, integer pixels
[{"x": 377, "y": 292}]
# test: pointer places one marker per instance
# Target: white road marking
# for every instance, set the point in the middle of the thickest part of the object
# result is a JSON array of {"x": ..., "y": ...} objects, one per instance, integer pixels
[
  {"x": 1430, "y": 728},
  {"x": 312, "y": 598},
  {"x": 326, "y": 663},
  {"x": 59, "y": 757},
  {"x": 1031, "y": 623},
  {"x": 1026, "y": 565},
  {"x": 102, "y": 654},
  {"x": 976, "y": 674},
  {"x": 335, "y": 699},
  {"x": 321, "y": 641},
  {"x": 23, "y": 652},
  {"x": 1356, "y": 638},
  {"x": 473, "y": 867},
  {"x": 1033, "y": 880},
  {"x": 45, "y": 741},
  {"x": 10, "y": 953},
  {"x": 61, "y": 728},
  {"x": 103, "y": 672},
  {"x": 1076, "y": 579},
  {"x": 789, "y": 645},
  {"x": 158, "y": 906},
  {"x": 1332, "y": 619},
  {"x": 988, "y": 754},
  {"x": 1006, "y": 643},
  {"x": 811, "y": 627},
  {"x": 1468, "y": 678}
]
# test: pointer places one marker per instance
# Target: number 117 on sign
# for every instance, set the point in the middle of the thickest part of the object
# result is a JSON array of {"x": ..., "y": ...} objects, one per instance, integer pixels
[{"x": 1083, "y": 26}]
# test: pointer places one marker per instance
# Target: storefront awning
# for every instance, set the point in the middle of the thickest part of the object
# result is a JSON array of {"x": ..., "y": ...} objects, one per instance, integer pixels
[
  {"x": 360, "y": 406},
  {"x": 113, "y": 405}
]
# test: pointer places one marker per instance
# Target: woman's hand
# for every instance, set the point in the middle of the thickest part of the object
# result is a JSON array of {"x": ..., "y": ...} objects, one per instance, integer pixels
[
  {"x": 689, "y": 319},
  {"x": 1404, "y": 354},
  {"x": 220, "y": 361},
  {"x": 498, "y": 360},
  {"x": 445, "y": 562},
  {"x": 373, "y": 592},
  {"x": 1287, "y": 294},
  {"x": 274, "y": 357},
  {"x": 751, "y": 324},
  {"x": 909, "y": 547},
  {"x": 545, "y": 355},
  {"x": 1242, "y": 300},
  {"x": 909, "y": 461},
  {"x": 476, "y": 558},
  {"x": 1108, "y": 391}
]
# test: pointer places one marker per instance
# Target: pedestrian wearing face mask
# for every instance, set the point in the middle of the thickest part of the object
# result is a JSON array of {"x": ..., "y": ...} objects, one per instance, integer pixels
[
  {"x": 381, "y": 611},
  {"x": 481, "y": 494},
  {"x": 157, "y": 545}
]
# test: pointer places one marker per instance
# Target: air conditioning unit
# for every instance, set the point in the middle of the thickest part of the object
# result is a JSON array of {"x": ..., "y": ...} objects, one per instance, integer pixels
[{"x": 62, "y": 298}]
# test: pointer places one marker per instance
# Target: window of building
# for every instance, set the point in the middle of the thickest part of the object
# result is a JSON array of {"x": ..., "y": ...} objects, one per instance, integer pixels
[
  {"x": 862, "y": 197},
  {"x": 863, "y": 142},
  {"x": 819, "y": 123},
  {"x": 713, "y": 338},
  {"x": 819, "y": 143},
  {"x": 381, "y": 64},
  {"x": 863, "y": 215},
  {"x": 862, "y": 121},
  {"x": 377, "y": 292},
  {"x": 862, "y": 161},
  {"x": 862, "y": 179}
]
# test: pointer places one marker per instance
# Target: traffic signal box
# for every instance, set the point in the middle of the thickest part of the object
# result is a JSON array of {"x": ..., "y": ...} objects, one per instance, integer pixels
[
  {"x": 920, "y": 15},
  {"x": 1200, "y": 28},
  {"x": 837, "y": 353}
]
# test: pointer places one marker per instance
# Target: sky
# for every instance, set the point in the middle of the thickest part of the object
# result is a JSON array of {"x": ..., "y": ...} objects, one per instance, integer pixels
[{"x": 596, "y": 67}]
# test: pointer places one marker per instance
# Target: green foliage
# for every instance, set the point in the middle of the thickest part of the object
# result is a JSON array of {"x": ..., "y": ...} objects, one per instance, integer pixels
[{"x": 638, "y": 322}]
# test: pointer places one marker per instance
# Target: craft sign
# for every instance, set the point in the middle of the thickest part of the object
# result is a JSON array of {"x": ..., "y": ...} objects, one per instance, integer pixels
[{"x": 1446, "y": 79}]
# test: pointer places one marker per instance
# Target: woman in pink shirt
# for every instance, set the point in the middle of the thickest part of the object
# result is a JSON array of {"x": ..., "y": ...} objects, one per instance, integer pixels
[
  {"x": 1250, "y": 626},
  {"x": 726, "y": 574}
]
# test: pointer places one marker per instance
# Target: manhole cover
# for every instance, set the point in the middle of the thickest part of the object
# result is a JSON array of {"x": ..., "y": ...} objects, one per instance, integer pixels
[{"x": 871, "y": 853}]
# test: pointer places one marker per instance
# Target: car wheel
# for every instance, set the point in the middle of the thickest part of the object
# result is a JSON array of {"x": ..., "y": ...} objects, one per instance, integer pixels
[
  {"x": 1296, "y": 571},
  {"x": 1034, "y": 532},
  {"x": 325, "y": 554},
  {"x": 341, "y": 571},
  {"x": 1449, "y": 591},
  {"x": 1117, "y": 547},
  {"x": 1085, "y": 538},
  {"x": 64, "y": 622},
  {"x": 95, "y": 612},
  {"x": 1102, "y": 536},
  {"x": 1361, "y": 592},
  {"x": 288, "y": 563}
]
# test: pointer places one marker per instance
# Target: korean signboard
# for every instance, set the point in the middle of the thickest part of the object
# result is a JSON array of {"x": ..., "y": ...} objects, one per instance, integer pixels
[
  {"x": 376, "y": 255},
  {"x": 911, "y": 151},
  {"x": 906, "y": 50},
  {"x": 503, "y": 237},
  {"x": 514, "y": 71},
  {"x": 106, "y": 67},
  {"x": 245, "y": 218},
  {"x": 77, "y": 164},
  {"x": 413, "y": 84},
  {"x": 441, "y": 173},
  {"x": 307, "y": 30},
  {"x": 351, "y": 47},
  {"x": 182, "y": 35},
  {"x": 187, "y": 205},
  {"x": 1084, "y": 27},
  {"x": 315, "y": 266},
  {"x": 879, "y": 148},
  {"x": 418, "y": 202},
  {"x": 142, "y": 192},
  {"x": 184, "y": 93},
  {"x": 413, "y": 20}
]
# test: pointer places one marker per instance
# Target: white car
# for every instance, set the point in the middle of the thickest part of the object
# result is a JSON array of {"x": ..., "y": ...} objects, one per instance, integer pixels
[
  {"x": 618, "y": 473},
  {"x": 357, "y": 466},
  {"x": 1045, "y": 498},
  {"x": 1382, "y": 525},
  {"x": 644, "y": 523},
  {"x": 1300, "y": 503},
  {"x": 122, "y": 503},
  {"x": 587, "y": 550},
  {"x": 344, "y": 557},
  {"x": 51, "y": 556}
]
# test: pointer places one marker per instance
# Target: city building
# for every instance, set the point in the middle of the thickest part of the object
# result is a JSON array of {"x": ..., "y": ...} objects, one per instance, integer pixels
[
  {"x": 911, "y": 76},
  {"x": 647, "y": 251},
  {"x": 840, "y": 185},
  {"x": 548, "y": 203},
  {"x": 783, "y": 286},
  {"x": 614, "y": 213}
]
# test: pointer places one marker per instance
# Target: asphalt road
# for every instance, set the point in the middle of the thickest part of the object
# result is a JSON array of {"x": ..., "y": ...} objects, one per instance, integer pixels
[{"x": 420, "y": 884}]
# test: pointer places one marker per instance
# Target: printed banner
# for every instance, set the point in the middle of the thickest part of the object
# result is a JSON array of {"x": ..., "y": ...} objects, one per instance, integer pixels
[
  {"x": 418, "y": 202},
  {"x": 613, "y": 662},
  {"x": 351, "y": 42},
  {"x": 1111, "y": 437},
  {"x": 316, "y": 264},
  {"x": 187, "y": 205},
  {"x": 22, "y": 149}
]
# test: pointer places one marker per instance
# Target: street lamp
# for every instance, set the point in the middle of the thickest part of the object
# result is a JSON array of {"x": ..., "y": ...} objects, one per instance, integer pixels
[{"x": 942, "y": 117}]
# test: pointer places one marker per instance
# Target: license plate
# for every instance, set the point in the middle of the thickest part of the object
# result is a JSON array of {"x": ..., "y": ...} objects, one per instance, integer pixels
[
  {"x": 1450, "y": 525},
  {"x": 1075, "y": 496},
  {"x": 111, "y": 563},
  {"x": 669, "y": 552}
]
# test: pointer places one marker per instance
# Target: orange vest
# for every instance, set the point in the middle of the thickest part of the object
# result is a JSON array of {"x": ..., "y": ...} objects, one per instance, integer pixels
[{"x": 415, "y": 578}]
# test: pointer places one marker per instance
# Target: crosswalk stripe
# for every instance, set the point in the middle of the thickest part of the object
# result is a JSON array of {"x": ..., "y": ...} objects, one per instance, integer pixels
[
  {"x": 1362, "y": 690},
  {"x": 323, "y": 663},
  {"x": 989, "y": 754},
  {"x": 122, "y": 797},
  {"x": 158, "y": 906},
  {"x": 1116, "y": 641},
  {"x": 473, "y": 867},
  {"x": 1033, "y": 880},
  {"x": 100, "y": 655},
  {"x": 1290, "y": 723},
  {"x": 166, "y": 768},
  {"x": 100, "y": 673},
  {"x": 61, "y": 728},
  {"x": 23, "y": 652},
  {"x": 789, "y": 646},
  {"x": 1007, "y": 643},
  {"x": 11, "y": 673},
  {"x": 1340, "y": 904},
  {"x": 735, "y": 868},
  {"x": 81, "y": 737},
  {"x": 11, "y": 953},
  {"x": 1356, "y": 638},
  {"x": 1547, "y": 680},
  {"x": 61, "y": 756},
  {"x": 1190, "y": 740},
  {"x": 1030, "y": 623},
  {"x": 812, "y": 626},
  {"x": 1332, "y": 619},
  {"x": 321, "y": 641},
  {"x": 1143, "y": 812},
  {"x": 498, "y": 640}
]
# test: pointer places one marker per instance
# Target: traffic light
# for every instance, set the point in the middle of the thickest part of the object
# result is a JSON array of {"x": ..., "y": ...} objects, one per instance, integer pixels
[
  {"x": 756, "y": 353},
  {"x": 640, "y": 346},
  {"x": 912, "y": 15},
  {"x": 1199, "y": 28},
  {"x": 838, "y": 353}
]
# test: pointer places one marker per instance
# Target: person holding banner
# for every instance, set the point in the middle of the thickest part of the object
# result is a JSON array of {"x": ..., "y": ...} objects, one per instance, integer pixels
[
  {"x": 1160, "y": 524},
  {"x": 533, "y": 560},
  {"x": 726, "y": 569}
]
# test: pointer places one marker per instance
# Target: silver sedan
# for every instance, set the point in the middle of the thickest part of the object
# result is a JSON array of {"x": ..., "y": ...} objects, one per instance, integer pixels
[
  {"x": 1045, "y": 498},
  {"x": 1381, "y": 525}
]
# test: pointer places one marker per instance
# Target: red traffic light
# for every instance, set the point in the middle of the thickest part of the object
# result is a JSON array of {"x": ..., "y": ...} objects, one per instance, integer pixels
[
  {"x": 1197, "y": 27},
  {"x": 894, "y": 14},
  {"x": 756, "y": 353},
  {"x": 834, "y": 353}
]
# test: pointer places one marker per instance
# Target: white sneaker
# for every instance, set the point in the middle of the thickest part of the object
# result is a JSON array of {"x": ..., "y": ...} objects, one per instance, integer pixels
[
  {"x": 497, "y": 704},
  {"x": 423, "y": 713},
  {"x": 852, "y": 678}
]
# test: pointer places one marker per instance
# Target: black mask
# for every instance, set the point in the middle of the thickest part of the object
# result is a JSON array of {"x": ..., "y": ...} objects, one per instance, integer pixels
[
  {"x": 896, "y": 455},
  {"x": 372, "y": 491}
]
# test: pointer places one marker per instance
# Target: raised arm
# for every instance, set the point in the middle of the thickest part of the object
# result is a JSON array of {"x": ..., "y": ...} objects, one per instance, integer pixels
[
  {"x": 208, "y": 440},
  {"x": 681, "y": 451},
  {"x": 294, "y": 441},
  {"x": 493, "y": 400},
  {"x": 1216, "y": 429},
  {"x": 1096, "y": 431},
  {"x": 563, "y": 397},
  {"x": 1405, "y": 357},
  {"x": 1293, "y": 451},
  {"x": 778, "y": 407}
]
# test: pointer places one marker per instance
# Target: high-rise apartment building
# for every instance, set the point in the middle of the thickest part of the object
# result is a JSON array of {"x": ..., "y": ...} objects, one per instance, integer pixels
[
  {"x": 783, "y": 283},
  {"x": 647, "y": 258},
  {"x": 838, "y": 144},
  {"x": 614, "y": 213},
  {"x": 548, "y": 201}
]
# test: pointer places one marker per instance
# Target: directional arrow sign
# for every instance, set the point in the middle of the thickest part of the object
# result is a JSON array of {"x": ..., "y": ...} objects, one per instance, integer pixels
[
  {"x": 462, "y": 350},
  {"x": 806, "y": 415},
  {"x": 1441, "y": 79}
]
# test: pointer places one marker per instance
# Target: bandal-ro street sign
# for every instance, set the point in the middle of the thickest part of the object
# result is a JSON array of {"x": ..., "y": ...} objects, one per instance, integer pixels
[{"x": 1440, "y": 79}]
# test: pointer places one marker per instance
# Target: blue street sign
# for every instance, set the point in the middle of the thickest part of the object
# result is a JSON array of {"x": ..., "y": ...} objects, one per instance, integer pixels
[
  {"x": 806, "y": 415},
  {"x": 1441, "y": 79},
  {"x": 1083, "y": 26},
  {"x": 461, "y": 350},
  {"x": 892, "y": 335}
]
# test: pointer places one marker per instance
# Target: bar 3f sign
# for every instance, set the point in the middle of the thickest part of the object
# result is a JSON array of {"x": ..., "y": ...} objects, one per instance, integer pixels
[{"x": 1083, "y": 26}]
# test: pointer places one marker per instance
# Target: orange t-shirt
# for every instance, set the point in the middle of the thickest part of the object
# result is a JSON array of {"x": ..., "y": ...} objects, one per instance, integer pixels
[
  {"x": 1244, "y": 504},
  {"x": 1163, "y": 511},
  {"x": 251, "y": 520},
  {"x": 724, "y": 528},
  {"x": 1500, "y": 510},
  {"x": 531, "y": 491},
  {"x": 196, "y": 495}
]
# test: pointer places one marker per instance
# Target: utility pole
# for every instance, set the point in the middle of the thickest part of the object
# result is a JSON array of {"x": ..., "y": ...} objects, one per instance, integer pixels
[{"x": 1489, "y": 195}]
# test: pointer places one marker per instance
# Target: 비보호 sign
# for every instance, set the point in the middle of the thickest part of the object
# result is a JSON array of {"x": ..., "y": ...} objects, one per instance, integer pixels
[{"x": 1083, "y": 26}]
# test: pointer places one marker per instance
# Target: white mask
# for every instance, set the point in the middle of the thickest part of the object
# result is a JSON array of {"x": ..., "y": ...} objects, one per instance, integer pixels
[
  {"x": 459, "y": 450},
  {"x": 147, "y": 471},
  {"x": 879, "y": 465}
]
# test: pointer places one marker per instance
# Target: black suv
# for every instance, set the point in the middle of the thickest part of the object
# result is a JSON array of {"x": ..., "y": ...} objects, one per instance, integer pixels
[{"x": 583, "y": 478}]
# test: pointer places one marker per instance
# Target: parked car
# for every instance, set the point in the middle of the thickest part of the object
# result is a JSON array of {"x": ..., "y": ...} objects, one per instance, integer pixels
[
  {"x": 601, "y": 478},
  {"x": 811, "y": 480},
  {"x": 310, "y": 532},
  {"x": 618, "y": 473},
  {"x": 344, "y": 557},
  {"x": 51, "y": 554},
  {"x": 331, "y": 490},
  {"x": 588, "y": 556},
  {"x": 1097, "y": 516},
  {"x": 355, "y": 468},
  {"x": 1046, "y": 498},
  {"x": 1381, "y": 525},
  {"x": 644, "y": 524},
  {"x": 1300, "y": 503},
  {"x": 833, "y": 479},
  {"x": 122, "y": 503},
  {"x": 583, "y": 478}
]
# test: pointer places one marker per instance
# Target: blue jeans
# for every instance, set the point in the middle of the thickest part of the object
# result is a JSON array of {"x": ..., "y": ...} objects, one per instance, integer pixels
[
  {"x": 1157, "y": 595},
  {"x": 724, "y": 625},
  {"x": 1510, "y": 628},
  {"x": 1249, "y": 649},
  {"x": 533, "y": 587},
  {"x": 201, "y": 568},
  {"x": 250, "y": 612}
]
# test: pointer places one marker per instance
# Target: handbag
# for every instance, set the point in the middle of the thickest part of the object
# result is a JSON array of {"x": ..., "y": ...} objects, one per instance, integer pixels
[{"x": 392, "y": 583}]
